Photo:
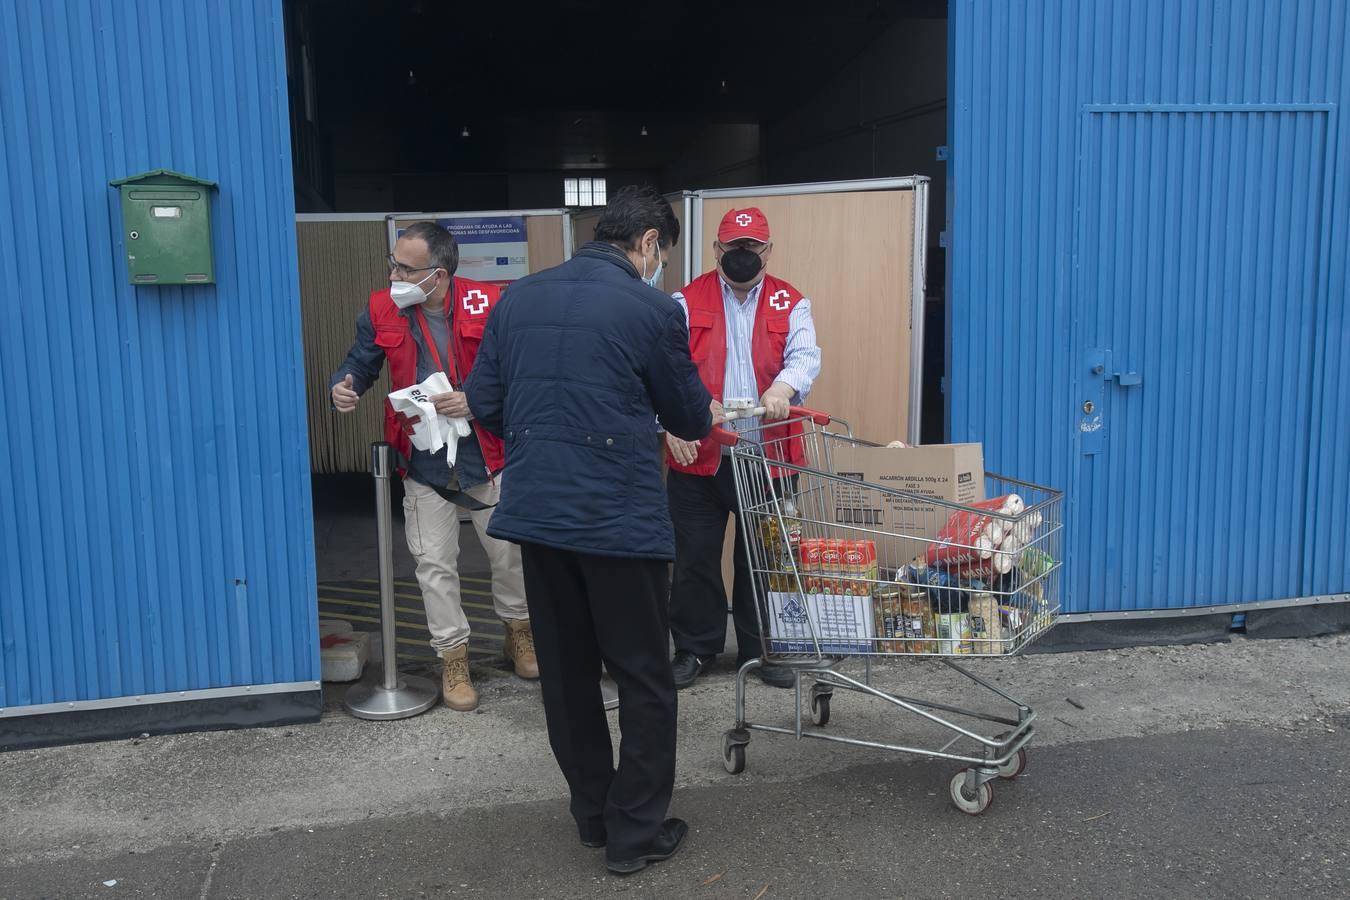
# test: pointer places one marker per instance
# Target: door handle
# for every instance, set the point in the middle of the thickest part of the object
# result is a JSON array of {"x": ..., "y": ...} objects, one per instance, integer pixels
[{"x": 1128, "y": 379}]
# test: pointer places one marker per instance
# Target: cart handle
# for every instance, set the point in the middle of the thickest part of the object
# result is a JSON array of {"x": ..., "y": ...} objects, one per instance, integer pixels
[
  {"x": 794, "y": 412},
  {"x": 727, "y": 438}
]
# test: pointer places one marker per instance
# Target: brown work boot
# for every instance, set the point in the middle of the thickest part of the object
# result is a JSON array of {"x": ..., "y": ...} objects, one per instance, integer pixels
[
  {"x": 456, "y": 687},
  {"x": 519, "y": 647}
]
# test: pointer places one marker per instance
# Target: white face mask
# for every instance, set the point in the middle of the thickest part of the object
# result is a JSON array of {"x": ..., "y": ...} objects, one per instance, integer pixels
[
  {"x": 406, "y": 294},
  {"x": 660, "y": 265}
]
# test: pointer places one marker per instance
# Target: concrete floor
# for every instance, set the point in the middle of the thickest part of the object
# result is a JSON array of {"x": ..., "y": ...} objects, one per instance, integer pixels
[
  {"x": 1215, "y": 770},
  {"x": 1199, "y": 771}
]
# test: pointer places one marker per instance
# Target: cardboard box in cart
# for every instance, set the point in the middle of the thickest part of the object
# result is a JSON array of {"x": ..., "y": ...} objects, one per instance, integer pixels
[
  {"x": 835, "y": 606},
  {"x": 952, "y": 472},
  {"x": 841, "y": 623}
]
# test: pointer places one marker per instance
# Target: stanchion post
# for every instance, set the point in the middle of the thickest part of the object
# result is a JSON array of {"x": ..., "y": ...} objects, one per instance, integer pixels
[{"x": 396, "y": 696}]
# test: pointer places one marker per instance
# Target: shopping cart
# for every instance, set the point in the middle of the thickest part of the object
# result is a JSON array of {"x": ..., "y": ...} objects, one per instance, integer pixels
[{"x": 833, "y": 582}]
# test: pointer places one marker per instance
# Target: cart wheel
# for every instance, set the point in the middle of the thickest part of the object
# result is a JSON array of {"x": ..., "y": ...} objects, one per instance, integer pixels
[
  {"x": 820, "y": 709},
  {"x": 968, "y": 804},
  {"x": 733, "y": 755},
  {"x": 1015, "y": 766}
]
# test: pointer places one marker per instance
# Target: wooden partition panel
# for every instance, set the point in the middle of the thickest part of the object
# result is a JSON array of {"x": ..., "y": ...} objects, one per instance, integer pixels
[
  {"x": 545, "y": 236},
  {"x": 674, "y": 276},
  {"x": 341, "y": 262},
  {"x": 583, "y": 225}
]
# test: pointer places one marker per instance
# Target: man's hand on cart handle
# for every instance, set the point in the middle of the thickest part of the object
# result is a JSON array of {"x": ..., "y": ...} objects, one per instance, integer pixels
[
  {"x": 719, "y": 414},
  {"x": 776, "y": 401}
]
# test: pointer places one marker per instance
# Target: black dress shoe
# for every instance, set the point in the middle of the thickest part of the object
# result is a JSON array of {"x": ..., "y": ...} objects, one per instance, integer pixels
[
  {"x": 667, "y": 841},
  {"x": 776, "y": 676},
  {"x": 687, "y": 667},
  {"x": 593, "y": 834}
]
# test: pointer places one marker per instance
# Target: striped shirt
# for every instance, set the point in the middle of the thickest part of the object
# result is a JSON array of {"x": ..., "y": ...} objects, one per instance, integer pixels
[{"x": 801, "y": 356}]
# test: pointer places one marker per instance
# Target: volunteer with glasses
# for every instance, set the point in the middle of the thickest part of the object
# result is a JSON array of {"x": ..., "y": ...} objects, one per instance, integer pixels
[
  {"x": 754, "y": 342},
  {"x": 428, "y": 320}
]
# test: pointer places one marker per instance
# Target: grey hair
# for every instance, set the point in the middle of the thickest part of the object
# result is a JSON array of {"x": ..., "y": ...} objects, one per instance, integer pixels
[{"x": 442, "y": 247}]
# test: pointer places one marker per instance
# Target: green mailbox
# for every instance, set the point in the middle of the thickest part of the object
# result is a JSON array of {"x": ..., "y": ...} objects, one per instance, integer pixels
[{"x": 166, "y": 224}]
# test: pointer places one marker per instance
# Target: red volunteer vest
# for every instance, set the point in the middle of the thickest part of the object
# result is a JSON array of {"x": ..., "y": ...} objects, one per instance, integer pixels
[
  {"x": 768, "y": 341},
  {"x": 468, "y": 304}
]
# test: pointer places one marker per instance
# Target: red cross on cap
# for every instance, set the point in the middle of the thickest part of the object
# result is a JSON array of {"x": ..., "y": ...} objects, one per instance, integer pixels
[{"x": 744, "y": 223}]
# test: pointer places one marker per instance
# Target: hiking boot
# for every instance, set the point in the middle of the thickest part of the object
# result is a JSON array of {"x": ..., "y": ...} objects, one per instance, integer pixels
[
  {"x": 519, "y": 648},
  {"x": 456, "y": 687}
]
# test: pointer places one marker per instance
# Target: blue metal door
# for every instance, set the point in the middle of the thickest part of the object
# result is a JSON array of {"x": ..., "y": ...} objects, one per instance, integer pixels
[{"x": 1197, "y": 264}]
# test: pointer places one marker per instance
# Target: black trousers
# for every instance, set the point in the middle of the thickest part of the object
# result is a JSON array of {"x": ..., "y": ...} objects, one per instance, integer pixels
[
  {"x": 586, "y": 610},
  {"x": 699, "y": 505}
]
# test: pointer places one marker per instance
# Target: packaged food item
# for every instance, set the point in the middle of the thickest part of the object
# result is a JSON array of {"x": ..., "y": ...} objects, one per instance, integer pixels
[
  {"x": 953, "y": 630},
  {"x": 986, "y": 624},
  {"x": 792, "y": 525},
  {"x": 1004, "y": 586},
  {"x": 771, "y": 548},
  {"x": 859, "y": 567},
  {"x": 918, "y": 623},
  {"x": 969, "y": 537},
  {"x": 886, "y": 608},
  {"x": 948, "y": 591},
  {"x": 916, "y": 613},
  {"x": 813, "y": 564},
  {"x": 1035, "y": 563},
  {"x": 1015, "y": 620},
  {"x": 831, "y": 566}
]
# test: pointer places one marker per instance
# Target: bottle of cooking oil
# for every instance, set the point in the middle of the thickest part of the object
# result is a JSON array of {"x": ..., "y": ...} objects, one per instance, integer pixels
[{"x": 791, "y": 546}]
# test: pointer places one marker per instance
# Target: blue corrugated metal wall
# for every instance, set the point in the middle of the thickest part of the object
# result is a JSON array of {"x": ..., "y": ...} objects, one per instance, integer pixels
[
  {"x": 148, "y": 549},
  {"x": 1159, "y": 188}
]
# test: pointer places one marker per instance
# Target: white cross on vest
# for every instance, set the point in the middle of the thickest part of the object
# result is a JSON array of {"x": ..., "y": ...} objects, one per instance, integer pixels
[
  {"x": 743, "y": 220},
  {"x": 779, "y": 300},
  {"x": 475, "y": 309}
]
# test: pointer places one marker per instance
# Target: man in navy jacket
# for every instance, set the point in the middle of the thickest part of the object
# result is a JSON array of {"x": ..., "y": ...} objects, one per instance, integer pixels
[{"x": 577, "y": 364}]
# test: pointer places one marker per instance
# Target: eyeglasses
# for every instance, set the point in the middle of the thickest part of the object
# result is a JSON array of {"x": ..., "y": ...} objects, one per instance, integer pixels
[{"x": 404, "y": 270}]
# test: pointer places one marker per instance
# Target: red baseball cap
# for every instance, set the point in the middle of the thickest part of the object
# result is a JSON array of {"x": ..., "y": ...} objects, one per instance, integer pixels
[{"x": 743, "y": 223}]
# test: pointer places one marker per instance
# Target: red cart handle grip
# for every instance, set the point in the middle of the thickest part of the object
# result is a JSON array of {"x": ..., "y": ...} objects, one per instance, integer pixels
[
  {"x": 725, "y": 438},
  {"x": 815, "y": 415}
]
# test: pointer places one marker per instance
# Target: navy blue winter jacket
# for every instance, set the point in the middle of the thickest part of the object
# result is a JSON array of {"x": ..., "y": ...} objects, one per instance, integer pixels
[{"x": 577, "y": 363}]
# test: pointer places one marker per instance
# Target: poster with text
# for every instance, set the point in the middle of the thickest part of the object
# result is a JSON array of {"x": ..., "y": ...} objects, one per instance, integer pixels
[{"x": 491, "y": 248}]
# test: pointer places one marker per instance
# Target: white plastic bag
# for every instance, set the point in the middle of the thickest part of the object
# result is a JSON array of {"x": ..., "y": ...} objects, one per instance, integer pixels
[{"x": 432, "y": 432}]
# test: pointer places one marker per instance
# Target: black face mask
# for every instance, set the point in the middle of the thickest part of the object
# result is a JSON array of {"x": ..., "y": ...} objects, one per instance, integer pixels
[{"x": 740, "y": 265}]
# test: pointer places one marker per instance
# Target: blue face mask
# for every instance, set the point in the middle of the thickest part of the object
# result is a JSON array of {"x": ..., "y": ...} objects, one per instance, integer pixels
[{"x": 660, "y": 266}]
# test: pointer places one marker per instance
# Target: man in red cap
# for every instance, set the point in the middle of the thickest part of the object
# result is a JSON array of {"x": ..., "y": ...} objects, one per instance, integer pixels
[{"x": 752, "y": 337}]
